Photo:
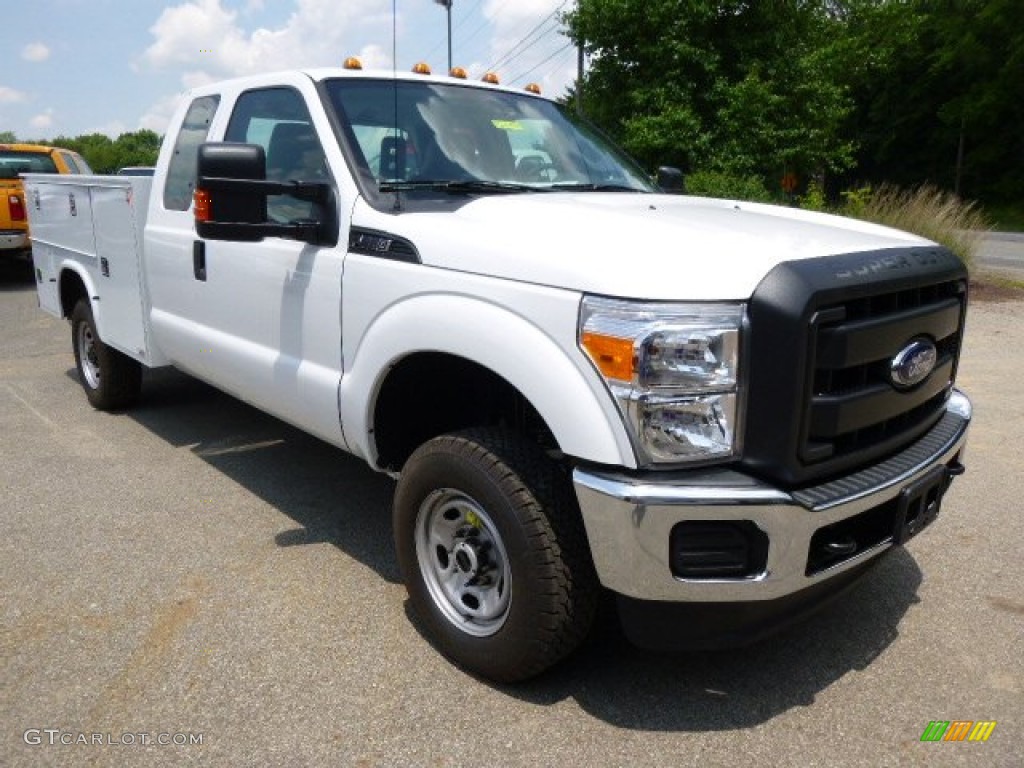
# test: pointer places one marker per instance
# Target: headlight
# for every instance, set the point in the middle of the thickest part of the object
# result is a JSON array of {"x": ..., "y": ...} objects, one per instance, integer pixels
[{"x": 673, "y": 369}]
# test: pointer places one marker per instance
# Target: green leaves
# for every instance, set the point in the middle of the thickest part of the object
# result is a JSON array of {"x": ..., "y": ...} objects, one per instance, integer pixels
[
  {"x": 106, "y": 155},
  {"x": 864, "y": 89},
  {"x": 734, "y": 87}
]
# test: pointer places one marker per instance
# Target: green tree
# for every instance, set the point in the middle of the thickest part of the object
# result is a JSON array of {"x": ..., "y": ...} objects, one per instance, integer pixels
[
  {"x": 137, "y": 148},
  {"x": 106, "y": 155},
  {"x": 97, "y": 149},
  {"x": 937, "y": 87},
  {"x": 738, "y": 87}
]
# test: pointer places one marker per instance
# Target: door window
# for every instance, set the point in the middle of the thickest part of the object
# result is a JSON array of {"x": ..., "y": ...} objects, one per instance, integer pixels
[{"x": 277, "y": 119}]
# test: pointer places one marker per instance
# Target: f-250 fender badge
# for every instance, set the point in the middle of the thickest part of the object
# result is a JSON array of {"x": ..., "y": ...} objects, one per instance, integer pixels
[{"x": 913, "y": 363}]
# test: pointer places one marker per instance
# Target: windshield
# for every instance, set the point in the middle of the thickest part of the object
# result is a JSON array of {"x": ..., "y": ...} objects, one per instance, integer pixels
[{"x": 466, "y": 139}]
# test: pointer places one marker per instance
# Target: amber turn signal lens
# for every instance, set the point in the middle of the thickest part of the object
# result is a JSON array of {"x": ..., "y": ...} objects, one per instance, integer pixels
[
  {"x": 613, "y": 356},
  {"x": 202, "y": 207}
]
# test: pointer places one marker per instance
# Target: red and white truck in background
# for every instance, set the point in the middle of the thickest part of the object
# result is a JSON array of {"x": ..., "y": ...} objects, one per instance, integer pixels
[{"x": 719, "y": 412}]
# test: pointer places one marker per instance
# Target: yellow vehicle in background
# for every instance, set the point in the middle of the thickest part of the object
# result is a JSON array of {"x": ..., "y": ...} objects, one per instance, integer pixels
[{"x": 16, "y": 159}]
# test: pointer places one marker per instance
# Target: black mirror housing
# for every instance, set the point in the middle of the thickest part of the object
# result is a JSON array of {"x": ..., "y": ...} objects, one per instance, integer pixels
[
  {"x": 671, "y": 180},
  {"x": 244, "y": 204},
  {"x": 231, "y": 198}
]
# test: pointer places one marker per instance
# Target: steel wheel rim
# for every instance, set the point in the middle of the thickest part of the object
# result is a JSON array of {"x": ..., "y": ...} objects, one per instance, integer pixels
[
  {"x": 87, "y": 356},
  {"x": 463, "y": 562}
]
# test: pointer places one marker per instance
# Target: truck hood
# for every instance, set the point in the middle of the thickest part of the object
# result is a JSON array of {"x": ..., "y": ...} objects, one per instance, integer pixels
[{"x": 627, "y": 245}]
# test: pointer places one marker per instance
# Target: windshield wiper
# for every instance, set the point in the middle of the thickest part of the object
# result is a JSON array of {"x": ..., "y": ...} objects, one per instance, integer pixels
[
  {"x": 459, "y": 187},
  {"x": 584, "y": 187}
]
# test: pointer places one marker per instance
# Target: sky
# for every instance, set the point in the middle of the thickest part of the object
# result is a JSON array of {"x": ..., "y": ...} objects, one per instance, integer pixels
[{"x": 70, "y": 67}]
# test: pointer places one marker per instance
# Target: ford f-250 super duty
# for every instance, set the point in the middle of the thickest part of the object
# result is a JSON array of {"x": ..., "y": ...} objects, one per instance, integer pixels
[{"x": 717, "y": 412}]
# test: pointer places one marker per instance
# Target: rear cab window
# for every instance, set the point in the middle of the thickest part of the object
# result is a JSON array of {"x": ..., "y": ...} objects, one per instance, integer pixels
[
  {"x": 75, "y": 163},
  {"x": 181, "y": 172},
  {"x": 14, "y": 162}
]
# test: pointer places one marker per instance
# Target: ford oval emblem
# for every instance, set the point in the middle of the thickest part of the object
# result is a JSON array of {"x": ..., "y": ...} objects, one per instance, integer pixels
[{"x": 913, "y": 363}]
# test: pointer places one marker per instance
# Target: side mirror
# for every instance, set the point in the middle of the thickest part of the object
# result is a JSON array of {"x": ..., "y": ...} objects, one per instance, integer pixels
[
  {"x": 671, "y": 180},
  {"x": 231, "y": 198},
  {"x": 244, "y": 204}
]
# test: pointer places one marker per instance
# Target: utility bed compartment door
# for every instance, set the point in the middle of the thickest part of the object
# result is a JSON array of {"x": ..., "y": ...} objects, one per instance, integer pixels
[
  {"x": 94, "y": 225},
  {"x": 120, "y": 320}
]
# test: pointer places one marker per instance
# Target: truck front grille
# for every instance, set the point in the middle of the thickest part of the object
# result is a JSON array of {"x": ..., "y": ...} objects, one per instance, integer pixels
[
  {"x": 825, "y": 335},
  {"x": 854, "y": 403}
]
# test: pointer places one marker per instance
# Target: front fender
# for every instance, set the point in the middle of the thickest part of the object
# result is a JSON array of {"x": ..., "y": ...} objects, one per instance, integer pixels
[{"x": 549, "y": 372}]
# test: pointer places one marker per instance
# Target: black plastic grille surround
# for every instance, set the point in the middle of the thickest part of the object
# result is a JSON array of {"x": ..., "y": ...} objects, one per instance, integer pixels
[{"x": 823, "y": 336}]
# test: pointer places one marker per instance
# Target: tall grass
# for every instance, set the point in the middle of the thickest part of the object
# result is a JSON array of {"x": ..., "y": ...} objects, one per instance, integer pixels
[{"x": 926, "y": 211}]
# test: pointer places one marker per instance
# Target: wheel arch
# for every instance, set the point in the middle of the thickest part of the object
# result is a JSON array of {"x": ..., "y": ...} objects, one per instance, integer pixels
[
  {"x": 72, "y": 285},
  {"x": 452, "y": 341}
]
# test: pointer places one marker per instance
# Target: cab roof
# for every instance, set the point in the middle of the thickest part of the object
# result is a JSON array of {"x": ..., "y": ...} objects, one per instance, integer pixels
[
  {"x": 319, "y": 74},
  {"x": 18, "y": 147}
]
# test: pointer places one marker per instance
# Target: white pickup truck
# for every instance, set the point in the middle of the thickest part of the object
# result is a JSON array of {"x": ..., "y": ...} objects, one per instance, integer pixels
[{"x": 718, "y": 412}]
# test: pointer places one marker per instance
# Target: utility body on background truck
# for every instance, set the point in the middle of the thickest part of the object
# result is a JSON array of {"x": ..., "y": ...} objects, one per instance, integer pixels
[{"x": 718, "y": 412}]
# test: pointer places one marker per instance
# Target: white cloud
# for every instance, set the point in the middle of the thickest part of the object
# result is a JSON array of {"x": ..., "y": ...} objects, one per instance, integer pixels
[
  {"x": 203, "y": 41},
  {"x": 196, "y": 79},
  {"x": 43, "y": 120},
  {"x": 528, "y": 45},
  {"x": 374, "y": 57},
  {"x": 35, "y": 52},
  {"x": 206, "y": 35},
  {"x": 113, "y": 129},
  {"x": 159, "y": 115},
  {"x": 10, "y": 96},
  {"x": 208, "y": 43}
]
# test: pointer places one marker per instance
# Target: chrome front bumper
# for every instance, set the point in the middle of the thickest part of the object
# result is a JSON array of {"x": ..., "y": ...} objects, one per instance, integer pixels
[{"x": 629, "y": 518}]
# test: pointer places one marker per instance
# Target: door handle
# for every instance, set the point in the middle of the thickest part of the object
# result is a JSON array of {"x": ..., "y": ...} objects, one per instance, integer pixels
[{"x": 199, "y": 260}]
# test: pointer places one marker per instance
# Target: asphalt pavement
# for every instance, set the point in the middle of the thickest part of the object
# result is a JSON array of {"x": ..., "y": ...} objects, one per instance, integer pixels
[
  {"x": 195, "y": 571},
  {"x": 1003, "y": 254}
]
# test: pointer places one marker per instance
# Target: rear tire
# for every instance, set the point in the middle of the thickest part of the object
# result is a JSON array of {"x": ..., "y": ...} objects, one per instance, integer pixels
[
  {"x": 111, "y": 379},
  {"x": 493, "y": 553}
]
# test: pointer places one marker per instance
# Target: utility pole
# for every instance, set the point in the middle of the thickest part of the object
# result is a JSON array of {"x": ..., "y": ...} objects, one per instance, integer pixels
[{"x": 448, "y": 7}]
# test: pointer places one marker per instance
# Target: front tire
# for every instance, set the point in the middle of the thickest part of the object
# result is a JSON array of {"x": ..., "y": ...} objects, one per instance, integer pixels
[
  {"x": 111, "y": 379},
  {"x": 493, "y": 553}
]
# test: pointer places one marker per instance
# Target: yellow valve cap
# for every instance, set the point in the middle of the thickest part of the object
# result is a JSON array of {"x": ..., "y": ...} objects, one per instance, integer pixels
[{"x": 612, "y": 355}]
